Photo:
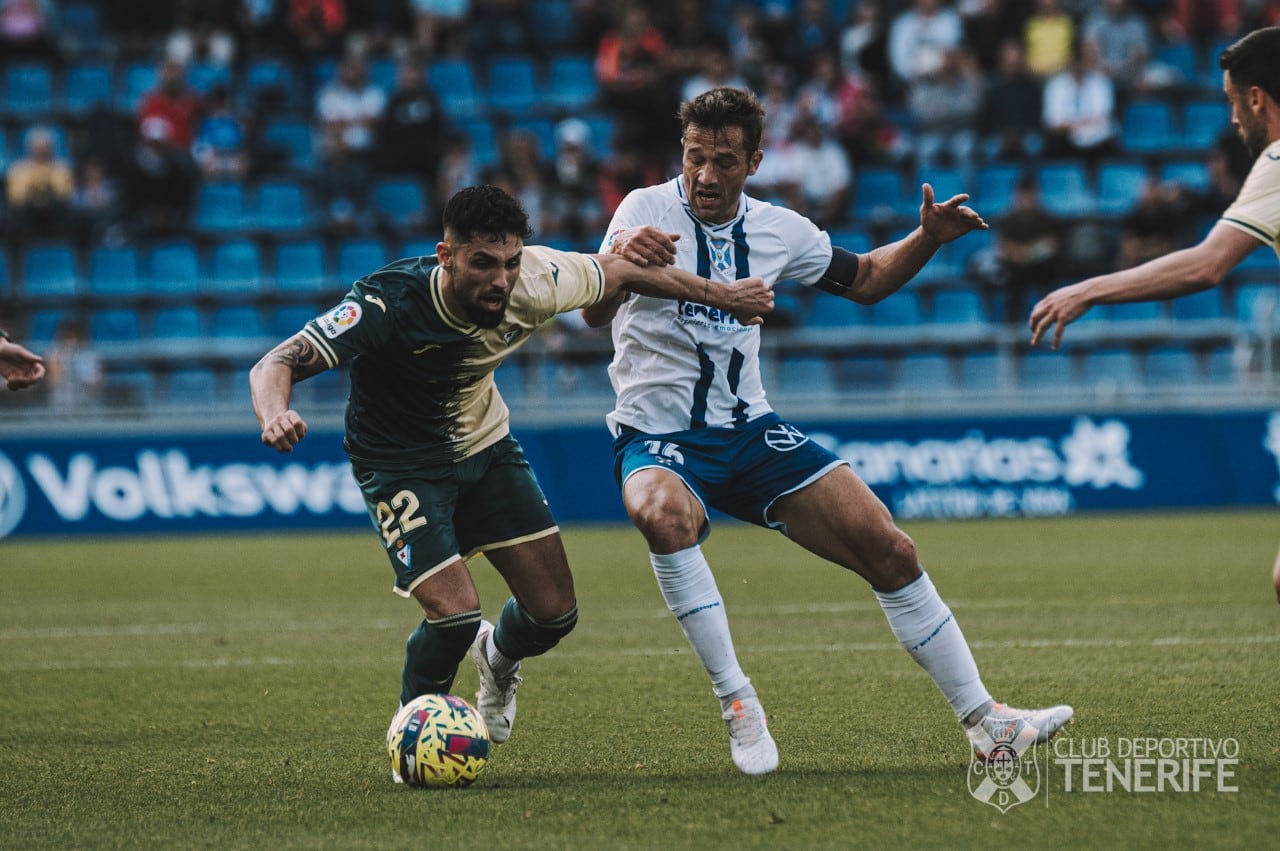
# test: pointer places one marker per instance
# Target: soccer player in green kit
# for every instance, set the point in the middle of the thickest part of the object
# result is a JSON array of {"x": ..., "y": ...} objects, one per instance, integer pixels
[{"x": 428, "y": 436}]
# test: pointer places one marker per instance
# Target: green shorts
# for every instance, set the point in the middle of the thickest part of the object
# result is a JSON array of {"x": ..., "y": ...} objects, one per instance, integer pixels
[{"x": 431, "y": 515}]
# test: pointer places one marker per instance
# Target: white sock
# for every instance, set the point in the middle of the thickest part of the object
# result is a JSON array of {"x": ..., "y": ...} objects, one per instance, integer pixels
[
  {"x": 501, "y": 664},
  {"x": 924, "y": 625},
  {"x": 690, "y": 590}
]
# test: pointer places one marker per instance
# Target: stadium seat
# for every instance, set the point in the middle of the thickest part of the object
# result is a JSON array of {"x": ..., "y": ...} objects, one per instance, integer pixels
[
  {"x": 925, "y": 373},
  {"x": 1135, "y": 311},
  {"x": 49, "y": 271},
  {"x": 571, "y": 83},
  {"x": 135, "y": 81},
  {"x": 555, "y": 22},
  {"x": 177, "y": 323},
  {"x": 994, "y": 189},
  {"x": 1147, "y": 126},
  {"x": 1206, "y": 304},
  {"x": 973, "y": 242},
  {"x": 1066, "y": 188},
  {"x": 878, "y": 195},
  {"x": 87, "y": 86},
  {"x": 484, "y": 142},
  {"x": 958, "y": 307},
  {"x": 270, "y": 83},
  {"x": 509, "y": 377},
  {"x": 857, "y": 241},
  {"x": 287, "y": 321},
  {"x": 205, "y": 76},
  {"x": 235, "y": 270},
  {"x": 293, "y": 137},
  {"x": 240, "y": 322},
  {"x": 602, "y": 133},
  {"x": 382, "y": 73},
  {"x": 864, "y": 374},
  {"x": 808, "y": 375},
  {"x": 981, "y": 371},
  {"x": 420, "y": 247},
  {"x": 1179, "y": 59},
  {"x": 174, "y": 269},
  {"x": 946, "y": 182},
  {"x": 81, "y": 28},
  {"x": 28, "y": 90},
  {"x": 283, "y": 207},
  {"x": 1169, "y": 366},
  {"x": 220, "y": 208},
  {"x": 6, "y": 275},
  {"x": 1120, "y": 187},
  {"x": 1203, "y": 122},
  {"x": 193, "y": 387},
  {"x": 901, "y": 308},
  {"x": 1046, "y": 371},
  {"x": 1224, "y": 366},
  {"x": 828, "y": 311},
  {"x": 359, "y": 257},
  {"x": 1193, "y": 175},
  {"x": 300, "y": 269},
  {"x": 128, "y": 388},
  {"x": 1110, "y": 372},
  {"x": 513, "y": 86},
  {"x": 455, "y": 83},
  {"x": 114, "y": 272},
  {"x": 115, "y": 325},
  {"x": 61, "y": 148},
  {"x": 1257, "y": 306},
  {"x": 401, "y": 203},
  {"x": 42, "y": 325}
]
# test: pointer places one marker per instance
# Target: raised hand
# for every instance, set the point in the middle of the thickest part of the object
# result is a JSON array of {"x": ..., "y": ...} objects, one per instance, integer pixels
[{"x": 948, "y": 220}]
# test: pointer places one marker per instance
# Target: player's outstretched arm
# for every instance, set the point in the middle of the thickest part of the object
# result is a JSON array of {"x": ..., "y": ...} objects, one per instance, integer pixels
[
  {"x": 886, "y": 269},
  {"x": 271, "y": 383},
  {"x": 748, "y": 299},
  {"x": 19, "y": 366},
  {"x": 1180, "y": 273}
]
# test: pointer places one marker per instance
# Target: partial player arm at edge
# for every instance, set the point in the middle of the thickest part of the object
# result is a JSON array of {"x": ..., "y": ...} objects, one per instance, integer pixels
[
  {"x": 1179, "y": 273},
  {"x": 747, "y": 299},
  {"x": 271, "y": 385}
]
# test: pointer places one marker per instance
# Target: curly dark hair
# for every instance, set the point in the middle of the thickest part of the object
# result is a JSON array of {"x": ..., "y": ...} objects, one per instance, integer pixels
[
  {"x": 725, "y": 107},
  {"x": 1255, "y": 61},
  {"x": 485, "y": 211}
]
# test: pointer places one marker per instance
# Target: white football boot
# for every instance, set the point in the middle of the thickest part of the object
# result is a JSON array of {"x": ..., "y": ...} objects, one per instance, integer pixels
[
  {"x": 1004, "y": 727},
  {"x": 496, "y": 698},
  {"x": 752, "y": 748}
]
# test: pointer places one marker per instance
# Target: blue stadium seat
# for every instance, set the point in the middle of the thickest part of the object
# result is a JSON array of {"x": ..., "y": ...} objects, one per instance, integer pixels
[
  {"x": 114, "y": 272},
  {"x": 6, "y": 152},
  {"x": 235, "y": 270},
  {"x": 1046, "y": 371},
  {"x": 1147, "y": 126},
  {"x": 994, "y": 189},
  {"x": 283, "y": 207},
  {"x": 420, "y": 247},
  {"x": 1203, "y": 121},
  {"x": 359, "y": 257},
  {"x": 828, "y": 311},
  {"x": 555, "y": 23},
  {"x": 49, "y": 271},
  {"x": 220, "y": 208},
  {"x": 401, "y": 203},
  {"x": 901, "y": 308},
  {"x": 88, "y": 85},
  {"x": 240, "y": 322},
  {"x": 1135, "y": 311},
  {"x": 864, "y": 374},
  {"x": 456, "y": 83},
  {"x": 270, "y": 82},
  {"x": 382, "y": 73},
  {"x": 509, "y": 377},
  {"x": 204, "y": 76},
  {"x": 115, "y": 325},
  {"x": 195, "y": 386},
  {"x": 6, "y": 275},
  {"x": 805, "y": 374},
  {"x": 543, "y": 132},
  {"x": 602, "y": 133},
  {"x": 287, "y": 321},
  {"x": 1066, "y": 188},
  {"x": 1111, "y": 371},
  {"x": 177, "y": 323},
  {"x": 300, "y": 268},
  {"x": 1180, "y": 58},
  {"x": 1120, "y": 187},
  {"x": 174, "y": 269},
  {"x": 1257, "y": 306},
  {"x": 958, "y": 307},
  {"x": 878, "y": 195},
  {"x": 946, "y": 182},
  {"x": 28, "y": 90},
  {"x": 1170, "y": 366},
  {"x": 973, "y": 242},
  {"x": 1221, "y": 366},
  {"x": 42, "y": 325},
  {"x": 136, "y": 80},
  {"x": 857, "y": 241},
  {"x": 484, "y": 142},
  {"x": 1193, "y": 175},
  {"x": 571, "y": 83},
  {"x": 294, "y": 138},
  {"x": 129, "y": 388},
  {"x": 513, "y": 86},
  {"x": 1206, "y": 304},
  {"x": 81, "y": 28},
  {"x": 925, "y": 373},
  {"x": 980, "y": 371}
]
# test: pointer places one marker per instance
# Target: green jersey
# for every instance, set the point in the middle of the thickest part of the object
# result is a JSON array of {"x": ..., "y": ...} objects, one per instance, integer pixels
[{"x": 422, "y": 388}]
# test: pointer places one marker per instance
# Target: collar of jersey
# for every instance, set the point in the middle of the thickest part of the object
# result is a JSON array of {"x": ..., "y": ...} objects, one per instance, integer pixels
[
  {"x": 742, "y": 209},
  {"x": 437, "y": 296}
]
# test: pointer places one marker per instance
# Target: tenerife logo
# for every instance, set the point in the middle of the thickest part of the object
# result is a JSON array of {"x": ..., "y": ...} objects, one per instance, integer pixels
[
  {"x": 1004, "y": 771},
  {"x": 1272, "y": 444},
  {"x": 784, "y": 438},
  {"x": 13, "y": 496},
  {"x": 719, "y": 250}
]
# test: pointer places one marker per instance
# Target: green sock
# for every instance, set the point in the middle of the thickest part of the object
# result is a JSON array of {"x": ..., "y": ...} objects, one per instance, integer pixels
[
  {"x": 518, "y": 635},
  {"x": 432, "y": 654}
]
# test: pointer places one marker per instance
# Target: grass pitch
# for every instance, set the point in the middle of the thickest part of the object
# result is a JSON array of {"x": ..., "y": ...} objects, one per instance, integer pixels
[{"x": 233, "y": 692}]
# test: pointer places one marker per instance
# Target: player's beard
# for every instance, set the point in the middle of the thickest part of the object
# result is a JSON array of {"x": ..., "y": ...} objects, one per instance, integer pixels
[{"x": 484, "y": 317}]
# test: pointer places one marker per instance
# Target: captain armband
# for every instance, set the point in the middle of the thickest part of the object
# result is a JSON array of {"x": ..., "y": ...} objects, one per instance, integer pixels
[{"x": 838, "y": 279}]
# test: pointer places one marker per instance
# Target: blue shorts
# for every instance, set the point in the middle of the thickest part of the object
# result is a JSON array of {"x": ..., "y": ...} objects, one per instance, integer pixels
[{"x": 740, "y": 471}]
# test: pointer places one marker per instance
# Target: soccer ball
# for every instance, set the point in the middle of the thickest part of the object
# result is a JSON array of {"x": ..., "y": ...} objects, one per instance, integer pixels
[{"x": 438, "y": 740}]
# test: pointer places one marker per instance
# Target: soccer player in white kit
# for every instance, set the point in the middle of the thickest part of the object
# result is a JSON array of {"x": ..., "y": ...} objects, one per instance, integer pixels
[
  {"x": 1251, "y": 82},
  {"x": 693, "y": 429}
]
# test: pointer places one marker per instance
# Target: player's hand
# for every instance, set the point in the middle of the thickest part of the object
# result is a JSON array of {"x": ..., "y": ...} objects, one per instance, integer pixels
[
  {"x": 948, "y": 220},
  {"x": 1060, "y": 307},
  {"x": 283, "y": 431},
  {"x": 645, "y": 245},
  {"x": 20, "y": 367},
  {"x": 748, "y": 299}
]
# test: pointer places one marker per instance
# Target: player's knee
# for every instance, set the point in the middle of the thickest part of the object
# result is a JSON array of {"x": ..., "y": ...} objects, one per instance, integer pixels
[
  {"x": 667, "y": 521},
  {"x": 521, "y": 635},
  {"x": 899, "y": 564}
]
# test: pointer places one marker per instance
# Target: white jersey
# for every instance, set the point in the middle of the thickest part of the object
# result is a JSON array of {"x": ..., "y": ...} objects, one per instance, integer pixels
[{"x": 681, "y": 365}]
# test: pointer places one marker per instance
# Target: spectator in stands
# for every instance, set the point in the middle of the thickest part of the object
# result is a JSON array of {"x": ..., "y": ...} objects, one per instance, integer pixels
[
  {"x": 414, "y": 126},
  {"x": 638, "y": 92},
  {"x": 715, "y": 69},
  {"x": 944, "y": 110},
  {"x": 1121, "y": 39},
  {"x": 864, "y": 45},
  {"x": 39, "y": 187},
  {"x": 1009, "y": 123},
  {"x": 220, "y": 149},
  {"x": 779, "y": 102},
  {"x": 96, "y": 205},
  {"x": 577, "y": 182},
  {"x": 919, "y": 38},
  {"x": 860, "y": 125},
  {"x": 173, "y": 102},
  {"x": 19, "y": 366},
  {"x": 1157, "y": 225},
  {"x": 1049, "y": 35},
  {"x": 498, "y": 26},
  {"x": 27, "y": 30},
  {"x": 988, "y": 26},
  {"x": 817, "y": 176},
  {"x": 811, "y": 33},
  {"x": 159, "y": 181},
  {"x": 458, "y": 167},
  {"x": 1079, "y": 109},
  {"x": 819, "y": 90},
  {"x": 75, "y": 369},
  {"x": 260, "y": 25},
  {"x": 1028, "y": 245},
  {"x": 1203, "y": 22},
  {"x": 524, "y": 174},
  {"x": 349, "y": 109},
  {"x": 748, "y": 50},
  {"x": 437, "y": 24},
  {"x": 316, "y": 27},
  {"x": 206, "y": 40}
]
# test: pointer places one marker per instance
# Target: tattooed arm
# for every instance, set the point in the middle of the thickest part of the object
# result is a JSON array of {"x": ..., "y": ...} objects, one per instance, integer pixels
[{"x": 270, "y": 383}]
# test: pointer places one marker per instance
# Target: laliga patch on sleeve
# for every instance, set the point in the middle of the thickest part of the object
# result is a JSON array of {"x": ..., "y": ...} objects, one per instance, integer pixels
[{"x": 339, "y": 320}]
